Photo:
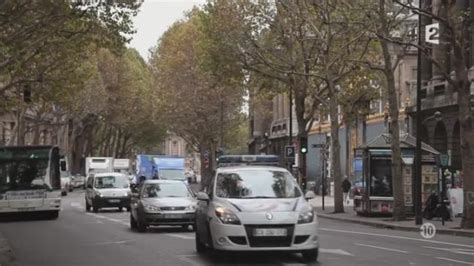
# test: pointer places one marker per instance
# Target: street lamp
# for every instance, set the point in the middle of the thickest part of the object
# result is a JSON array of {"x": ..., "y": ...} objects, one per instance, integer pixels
[{"x": 436, "y": 116}]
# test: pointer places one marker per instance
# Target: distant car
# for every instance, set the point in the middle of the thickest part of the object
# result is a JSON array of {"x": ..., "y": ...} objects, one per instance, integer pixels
[
  {"x": 107, "y": 190},
  {"x": 65, "y": 185},
  {"x": 357, "y": 188},
  {"x": 78, "y": 181},
  {"x": 256, "y": 208},
  {"x": 162, "y": 202}
]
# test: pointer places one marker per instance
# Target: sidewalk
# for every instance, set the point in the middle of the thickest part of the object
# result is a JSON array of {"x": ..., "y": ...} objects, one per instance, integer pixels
[
  {"x": 449, "y": 228},
  {"x": 6, "y": 254}
]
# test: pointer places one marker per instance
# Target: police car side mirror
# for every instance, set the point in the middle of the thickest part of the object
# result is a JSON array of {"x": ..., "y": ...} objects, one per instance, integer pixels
[
  {"x": 203, "y": 196},
  {"x": 309, "y": 195}
]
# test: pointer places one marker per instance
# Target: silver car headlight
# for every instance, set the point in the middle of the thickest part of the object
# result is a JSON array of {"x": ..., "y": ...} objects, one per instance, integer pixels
[
  {"x": 151, "y": 208},
  {"x": 306, "y": 216},
  {"x": 227, "y": 216},
  {"x": 98, "y": 194},
  {"x": 191, "y": 207}
]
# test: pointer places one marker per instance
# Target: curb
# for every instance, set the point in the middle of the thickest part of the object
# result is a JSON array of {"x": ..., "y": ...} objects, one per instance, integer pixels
[
  {"x": 377, "y": 224},
  {"x": 6, "y": 253}
]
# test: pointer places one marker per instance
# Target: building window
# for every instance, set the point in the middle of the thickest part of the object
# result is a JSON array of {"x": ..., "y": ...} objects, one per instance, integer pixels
[{"x": 414, "y": 73}]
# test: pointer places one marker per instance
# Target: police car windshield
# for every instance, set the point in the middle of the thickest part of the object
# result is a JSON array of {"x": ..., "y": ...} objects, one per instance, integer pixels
[{"x": 256, "y": 183}]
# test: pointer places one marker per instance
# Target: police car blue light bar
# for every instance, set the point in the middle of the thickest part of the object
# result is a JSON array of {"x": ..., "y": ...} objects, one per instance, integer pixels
[{"x": 235, "y": 160}]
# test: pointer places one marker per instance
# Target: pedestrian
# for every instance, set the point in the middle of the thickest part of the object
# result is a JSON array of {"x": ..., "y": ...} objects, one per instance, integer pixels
[{"x": 346, "y": 187}]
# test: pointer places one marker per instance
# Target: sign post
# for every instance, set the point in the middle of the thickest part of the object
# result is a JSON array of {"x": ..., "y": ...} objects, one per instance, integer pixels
[{"x": 290, "y": 152}]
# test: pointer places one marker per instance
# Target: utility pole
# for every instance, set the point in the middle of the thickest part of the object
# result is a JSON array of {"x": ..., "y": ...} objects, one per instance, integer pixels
[
  {"x": 221, "y": 124},
  {"x": 290, "y": 134},
  {"x": 417, "y": 181}
]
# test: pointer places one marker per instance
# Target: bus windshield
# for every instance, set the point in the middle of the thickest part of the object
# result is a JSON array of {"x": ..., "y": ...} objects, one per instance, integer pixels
[{"x": 23, "y": 174}]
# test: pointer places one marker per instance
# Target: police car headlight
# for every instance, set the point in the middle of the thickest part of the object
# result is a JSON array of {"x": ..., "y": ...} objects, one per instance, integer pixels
[
  {"x": 151, "y": 208},
  {"x": 227, "y": 216},
  {"x": 306, "y": 216},
  {"x": 98, "y": 194}
]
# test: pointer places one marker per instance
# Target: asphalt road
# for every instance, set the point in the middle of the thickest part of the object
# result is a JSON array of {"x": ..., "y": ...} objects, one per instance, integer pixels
[{"x": 105, "y": 238}]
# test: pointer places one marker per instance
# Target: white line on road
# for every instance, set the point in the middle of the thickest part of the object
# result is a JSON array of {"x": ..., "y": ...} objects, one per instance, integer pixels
[
  {"x": 455, "y": 250},
  {"x": 388, "y": 249},
  {"x": 181, "y": 236},
  {"x": 396, "y": 237},
  {"x": 458, "y": 261},
  {"x": 76, "y": 205},
  {"x": 188, "y": 259},
  {"x": 113, "y": 242},
  {"x": 335, "y": 251}
]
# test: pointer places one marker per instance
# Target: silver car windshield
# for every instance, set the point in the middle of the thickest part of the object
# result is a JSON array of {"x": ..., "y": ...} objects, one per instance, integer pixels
[
  {"x": 111, "y": 182},
  {"x": 166, "y": 190},
  {"x": 258, "y": 183}
]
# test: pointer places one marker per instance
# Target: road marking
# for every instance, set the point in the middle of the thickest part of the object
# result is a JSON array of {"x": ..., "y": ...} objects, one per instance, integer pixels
[
  {"x": 388, "y": 249},
  {"x": 186, "y": 258},
  {"x": 106, "y": 218},
  {"x": 396, "y": 237},
  {"x": 458, "y": 261},
  {"x": 113, "y": 242},
  {"x": 455, "y": 250},
  {"x": 181, "y": 236},
  {"x": 76, "y": 205},
  {"x": 335, "y": 251}
]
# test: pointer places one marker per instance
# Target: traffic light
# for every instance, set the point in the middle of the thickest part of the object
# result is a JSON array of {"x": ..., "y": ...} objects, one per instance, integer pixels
[{"x": 303, "y": 145}]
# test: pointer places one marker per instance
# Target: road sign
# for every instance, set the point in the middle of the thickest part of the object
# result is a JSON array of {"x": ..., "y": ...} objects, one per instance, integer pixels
[
  {"x": 289, "y": 151},
  {"x": 444, "y": 160},
  {"x": 432, "y": 33}
]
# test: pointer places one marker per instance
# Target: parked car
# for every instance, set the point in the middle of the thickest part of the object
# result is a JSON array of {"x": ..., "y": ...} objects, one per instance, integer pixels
[
  {"x": 78, "y": 181},
  {"x": 162, "y": 202},
  {"x": 107, "y": 190},
  {"x": 256, "y": 208},
  {"x": 65, "y": 184}
]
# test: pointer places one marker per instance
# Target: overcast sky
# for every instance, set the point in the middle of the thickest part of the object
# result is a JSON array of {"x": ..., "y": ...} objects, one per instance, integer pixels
[{"x": 154, "y": 18}]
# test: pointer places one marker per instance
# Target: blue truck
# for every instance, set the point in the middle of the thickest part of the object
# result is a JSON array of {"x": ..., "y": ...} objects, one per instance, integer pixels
[{"x": 160, "y": 166}]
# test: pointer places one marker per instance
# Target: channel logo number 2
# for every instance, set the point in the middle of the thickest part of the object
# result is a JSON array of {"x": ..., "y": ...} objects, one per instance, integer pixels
[{"x": 432, "y": 33}]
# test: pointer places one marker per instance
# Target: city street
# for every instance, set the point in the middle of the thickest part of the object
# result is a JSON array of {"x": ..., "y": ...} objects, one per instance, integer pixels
[{"x": 105, "y": 238}]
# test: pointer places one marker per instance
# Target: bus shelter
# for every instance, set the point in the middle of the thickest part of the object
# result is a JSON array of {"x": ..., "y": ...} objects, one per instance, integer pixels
[{"x": 376, "y": 197}]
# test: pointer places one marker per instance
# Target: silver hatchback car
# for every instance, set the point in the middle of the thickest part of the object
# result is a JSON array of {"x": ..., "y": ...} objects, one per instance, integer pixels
[
  {"x": 162, "y": 202},
  {"x": 256, "y": 208}
]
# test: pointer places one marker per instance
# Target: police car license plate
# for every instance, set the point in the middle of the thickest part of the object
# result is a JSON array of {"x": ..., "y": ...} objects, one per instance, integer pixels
[
  {"x": 270, "y": 232},
  {"x": 114, "y": 201},
  {"x": 173, "y": 216}
]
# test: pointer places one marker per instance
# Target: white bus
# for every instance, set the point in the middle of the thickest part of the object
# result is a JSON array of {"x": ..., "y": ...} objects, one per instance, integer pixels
[{"x": 30, "y": 180}]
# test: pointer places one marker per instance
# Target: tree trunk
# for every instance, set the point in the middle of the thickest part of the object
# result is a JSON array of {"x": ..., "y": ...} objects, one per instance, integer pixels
[
  {"x": 397, "y": 180},
  {"x": 118, "y": 144},
  {"x": 124, "y": 146},
  {"x": 335, "y": 153},
  {"x": 206, "y": 168},
  {"x": 467, "y": 136},
  {"x": 302, "y": 133}
]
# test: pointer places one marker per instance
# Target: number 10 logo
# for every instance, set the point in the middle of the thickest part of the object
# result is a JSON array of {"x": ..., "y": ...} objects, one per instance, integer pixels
[
  {"x": 428, "y": 230},
  {"x": 432, "y": 33}
]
